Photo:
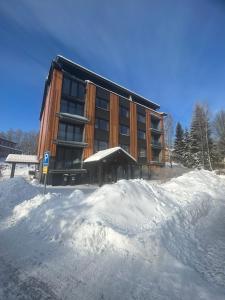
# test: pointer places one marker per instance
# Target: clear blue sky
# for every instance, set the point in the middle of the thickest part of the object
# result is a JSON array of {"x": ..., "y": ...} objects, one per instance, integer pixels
[{"x": 172, "y": 52}]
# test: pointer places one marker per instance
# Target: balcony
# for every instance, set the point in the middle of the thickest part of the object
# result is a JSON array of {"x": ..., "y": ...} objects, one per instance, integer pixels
[
  {"x": 70, "y": 143},
  {"x": 156, "y": 128},
  {"x": 156, "y": 144},
  {"x": 74, "y": 119}
]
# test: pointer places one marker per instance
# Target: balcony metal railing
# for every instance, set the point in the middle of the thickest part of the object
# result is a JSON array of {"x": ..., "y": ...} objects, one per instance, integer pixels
[
  {"x": 156, "y": 127},
  {"x": 156, "y": 144}
]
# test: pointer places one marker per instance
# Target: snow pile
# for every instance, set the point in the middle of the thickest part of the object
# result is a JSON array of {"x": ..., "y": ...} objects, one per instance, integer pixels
[
  {"x": 130, "y": 240},
  {"x": 13, "y": 192}
]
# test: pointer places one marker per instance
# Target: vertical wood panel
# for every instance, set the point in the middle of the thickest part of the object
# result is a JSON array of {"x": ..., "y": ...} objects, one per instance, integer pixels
[
  {"x": 90, "y": 114},
  {"x": 56, "y": 99},
  {"x": 49, "y": 121},
  {"x": 162, "y": 139},
  {"x": 148, "y": 135},
  {"x": 114, "y": 121},
  {"x": 133, "y": 129}
]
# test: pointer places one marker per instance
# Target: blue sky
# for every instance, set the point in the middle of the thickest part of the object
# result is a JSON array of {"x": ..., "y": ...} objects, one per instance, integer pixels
[{"x": 172, "y": 52}]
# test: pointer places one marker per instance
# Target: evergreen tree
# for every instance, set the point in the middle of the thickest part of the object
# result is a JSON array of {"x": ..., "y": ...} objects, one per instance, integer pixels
[
  {"x": 201, "y": 144},
  {"x": 186, "y": 153},
  {"x": 179, "y": 144}
]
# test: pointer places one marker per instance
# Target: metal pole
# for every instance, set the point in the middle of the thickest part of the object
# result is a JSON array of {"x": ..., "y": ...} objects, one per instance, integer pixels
[{"x": 45, "y": 182}]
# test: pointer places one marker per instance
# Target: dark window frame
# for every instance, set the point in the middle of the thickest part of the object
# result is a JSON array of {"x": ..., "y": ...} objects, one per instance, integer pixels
[
  {"x": 76, "y": 136},
  {"x": 141, "y": 134},
  {"x": 98, "y": 145},
  {"x": 79, "y": 95},
  {"x": 78, "y": 107},
  {"x": 124, "y": 112},
  {"x": 123, "y": 127},
  {"x": 141, "y": 118},
  {"x": 99, "y": 124},
  {"x": 99, "y": 101}
]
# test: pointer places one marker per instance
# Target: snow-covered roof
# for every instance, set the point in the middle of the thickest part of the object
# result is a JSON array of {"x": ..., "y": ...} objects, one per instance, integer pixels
[
  {"x": 104, "y": 153},
  {"x": 21, "y": 158}
]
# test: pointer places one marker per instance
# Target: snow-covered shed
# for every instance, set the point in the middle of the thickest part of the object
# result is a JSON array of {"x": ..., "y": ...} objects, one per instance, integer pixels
[
  {"x": 20, "y": 159},
  {"x": 107, "y": 165}
]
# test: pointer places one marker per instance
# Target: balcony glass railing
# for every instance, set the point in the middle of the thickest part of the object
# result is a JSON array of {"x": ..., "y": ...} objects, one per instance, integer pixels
[
  {"x": 156, "y": 143},
  {"x": 155, "y": 126}
]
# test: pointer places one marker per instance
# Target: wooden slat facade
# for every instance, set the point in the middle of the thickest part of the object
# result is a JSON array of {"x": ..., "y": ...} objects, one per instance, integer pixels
[
  {"x": 90, "y": 114},
  {"x": 49, "y": 121},
  {"x": 114, "y": 121},
  {"x": 133, "y": 130},
  {"x": 148, "y": 135},
  {"x": 162, "y": 139}
]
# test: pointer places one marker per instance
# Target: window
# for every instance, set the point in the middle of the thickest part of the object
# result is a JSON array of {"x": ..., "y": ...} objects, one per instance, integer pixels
[
  {"x": 66, "y": 86},
  {"x": 155, "y": 140},
  {"x": 124, "y": 112},
  {"x": 73, "y": 88},
  {"x": 155, "y": 123},
  {"x": 142, "y": 152},
  {"x": 68, "y": 158},
  {"x": 141, "y": 118},
  {"x": 125, "y": 147},
  {"x": 62, "y": 131},
  {"x": 100, "y": 145},
  {"x": 124, "y": 130},
  {"x": 69, "y": 132},
  {"x": 156, "y": 155},
  {"x": 101, "y": 124},
  {"x": 71, "y": 107},
  {"x": 102, "y": 103},
  {"x": 141, "y": 134}
]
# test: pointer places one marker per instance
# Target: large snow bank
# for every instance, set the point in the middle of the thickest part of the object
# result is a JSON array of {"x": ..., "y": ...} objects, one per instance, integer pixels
[{"x": 130, "y": 240}]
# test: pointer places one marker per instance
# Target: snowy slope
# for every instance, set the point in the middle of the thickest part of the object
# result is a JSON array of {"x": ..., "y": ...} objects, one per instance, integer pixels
[{"x": 130, "y": 240}]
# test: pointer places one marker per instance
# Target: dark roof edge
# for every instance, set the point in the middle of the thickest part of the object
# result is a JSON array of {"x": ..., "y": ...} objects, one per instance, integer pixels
[
  {"x": 60, "y": 57},
  {"x": 56, "y": 64}
]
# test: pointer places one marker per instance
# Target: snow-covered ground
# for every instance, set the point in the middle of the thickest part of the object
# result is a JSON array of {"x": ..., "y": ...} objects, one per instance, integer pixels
[{"x": 135, "y": 239}]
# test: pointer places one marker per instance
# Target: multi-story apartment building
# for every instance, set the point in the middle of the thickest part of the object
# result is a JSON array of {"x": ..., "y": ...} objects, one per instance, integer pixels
[
  {"x": 83, "y": 113},
  {"x": 8, "y": 147}
]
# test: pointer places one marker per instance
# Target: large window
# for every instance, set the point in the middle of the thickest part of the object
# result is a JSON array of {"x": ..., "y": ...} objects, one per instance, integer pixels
[
  {"x": 142, "y": 152},
  {"x": 73, "y": 88},
  {"x": 156, "y": 155},
  {"x": 141, "y": 118},
  {"x": 124, "y": 130},
  {"x": 69, "y": 132},
  {"x": 155, "y": 139},
  {"x": 125, "y": 147},
  {"x": 70, "y": 107},
  {"x": 124, "y": 112},
  {"x": 141, "y": 134},
  {"x": 101, "y": 124},
  {"x": 100, "y": 145},
  {"x": 68, "y": 158},
  {"x": 102, "y": 103}
]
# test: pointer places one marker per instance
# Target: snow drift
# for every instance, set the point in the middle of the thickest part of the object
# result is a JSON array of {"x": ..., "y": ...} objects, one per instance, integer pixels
[{"x": 130, "y": 240}]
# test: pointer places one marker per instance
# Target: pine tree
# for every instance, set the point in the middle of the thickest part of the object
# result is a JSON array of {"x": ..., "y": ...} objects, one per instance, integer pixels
[
  {"x": 186, "y": 153},
  {"x": 179, "y": 144},
  {"x": 200, "y": 139}
]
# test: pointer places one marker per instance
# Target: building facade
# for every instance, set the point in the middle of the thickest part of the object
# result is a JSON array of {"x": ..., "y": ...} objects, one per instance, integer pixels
[
  {"x": 83, "y": 113},
  {"x": 8, "y": 147}
]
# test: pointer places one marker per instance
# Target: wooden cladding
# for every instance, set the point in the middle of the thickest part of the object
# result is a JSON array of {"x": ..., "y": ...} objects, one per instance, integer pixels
[
  {"x": 162, "y": 139},
  {"x": 114, "y": 121},
  {"x": 133, "y": 130},
  {"x": 49, "y": 122},
  {"x": 90, "y": 114},
  {"x": 148, "y": 135}
]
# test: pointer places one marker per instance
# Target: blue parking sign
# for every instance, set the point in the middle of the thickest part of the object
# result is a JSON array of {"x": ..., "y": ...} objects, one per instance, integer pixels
[{"x": 46, "y": 159}]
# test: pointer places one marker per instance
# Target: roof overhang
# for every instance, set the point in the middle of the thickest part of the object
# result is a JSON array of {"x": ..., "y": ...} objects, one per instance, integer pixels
[
  {"x": 22, "y": 159},
  {"x": 109, "y": 155}
]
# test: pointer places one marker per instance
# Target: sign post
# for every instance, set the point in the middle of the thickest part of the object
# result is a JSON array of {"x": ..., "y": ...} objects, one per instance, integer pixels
[{"x": 45, "y": 166}]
